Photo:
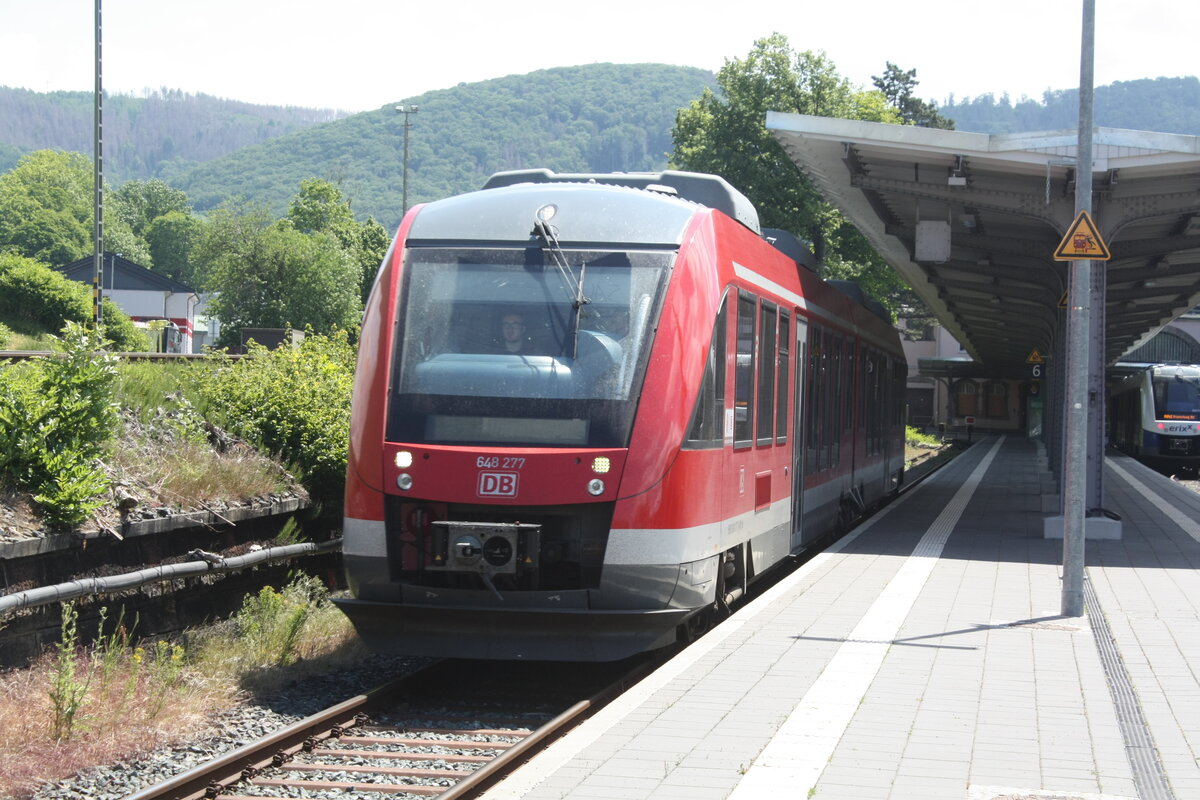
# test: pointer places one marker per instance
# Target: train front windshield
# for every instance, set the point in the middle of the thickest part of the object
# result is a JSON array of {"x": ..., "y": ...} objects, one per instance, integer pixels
[
  {"x": 1176, "y": 396},
  {"x": 530, "y": 347}
]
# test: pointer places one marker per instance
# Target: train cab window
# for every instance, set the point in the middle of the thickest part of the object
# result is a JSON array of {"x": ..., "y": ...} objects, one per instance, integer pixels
[
  {"x": 1176, "y": 395},
  {"x": 782, "y": 370},
  {"x": 766, "y": 374},
  {"x": 743, "y": 387},
  {"x": 708, "y": 418},
  {"x": 493, "y": 346}
]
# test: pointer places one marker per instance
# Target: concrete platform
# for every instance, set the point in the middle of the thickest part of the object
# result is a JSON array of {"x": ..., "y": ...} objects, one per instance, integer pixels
[{"x": 924, "y": 657}]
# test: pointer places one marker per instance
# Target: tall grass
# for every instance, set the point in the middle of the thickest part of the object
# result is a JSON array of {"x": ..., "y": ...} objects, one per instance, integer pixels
[
  {"x": 85, "y": 705},
  {"x": 167, "y": 449}
]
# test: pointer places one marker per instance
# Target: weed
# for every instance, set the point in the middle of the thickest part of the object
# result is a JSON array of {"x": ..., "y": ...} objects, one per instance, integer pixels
[
  {"x": 270, "y": 622},
  {"x": 67, "y": 690},
  {"x": 110, "y": 649}
]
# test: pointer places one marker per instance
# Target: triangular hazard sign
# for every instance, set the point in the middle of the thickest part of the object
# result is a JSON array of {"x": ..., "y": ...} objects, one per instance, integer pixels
[
  {"x": 1082, "y": 242},
  {"x": 1035, "y": 357}
]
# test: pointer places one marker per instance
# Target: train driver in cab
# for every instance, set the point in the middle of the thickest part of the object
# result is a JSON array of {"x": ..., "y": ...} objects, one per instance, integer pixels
[{"x": 513, "y": 335}]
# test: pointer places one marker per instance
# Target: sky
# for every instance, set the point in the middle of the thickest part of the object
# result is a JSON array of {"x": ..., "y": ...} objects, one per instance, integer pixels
[{"x": 356, "y": 55}]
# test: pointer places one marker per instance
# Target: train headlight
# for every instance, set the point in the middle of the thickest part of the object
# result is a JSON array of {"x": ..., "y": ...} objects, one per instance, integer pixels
[
  {"x": 601, "y": 465},
  {"x": 596, "y": 487},
  {"x": 404, "y": 481},
  {"x": 404, "y": 459}
]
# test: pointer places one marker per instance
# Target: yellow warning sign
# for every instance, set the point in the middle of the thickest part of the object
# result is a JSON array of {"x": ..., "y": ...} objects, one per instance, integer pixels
[
  {"x": 1082, "y": 242},
  {"x": 1035, "y": 357}
]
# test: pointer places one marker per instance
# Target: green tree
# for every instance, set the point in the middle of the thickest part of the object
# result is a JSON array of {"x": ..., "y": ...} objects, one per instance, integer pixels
[
  {"x": 319, "y": 207},
  {"x": 46, "y": 207},
  {"x": 171, "y": 237},
  {"x": 373, "y": 244},
  {"x": 271, "y": 275},
  {"x": 725, "y": 133},
  {"x": 898, "y": 86},
  {"x": 138, "y": 203},
  {"x": 46, "y": 211}
]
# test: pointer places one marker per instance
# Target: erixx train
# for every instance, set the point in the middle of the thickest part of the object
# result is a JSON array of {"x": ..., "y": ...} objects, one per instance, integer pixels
[
  {"x": 1154, "y": 415},
  {"x": 589, "y": 410}
]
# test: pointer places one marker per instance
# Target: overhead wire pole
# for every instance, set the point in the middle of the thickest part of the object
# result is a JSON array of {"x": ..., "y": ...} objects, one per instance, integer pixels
[
  {"x": 406, "y": 111},
  {"x": 98, "y": 175},
  {"x": 1078, "y": 336}
]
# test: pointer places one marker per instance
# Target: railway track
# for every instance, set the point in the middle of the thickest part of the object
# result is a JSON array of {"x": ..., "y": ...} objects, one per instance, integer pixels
[{"x": 405, "y": 740}]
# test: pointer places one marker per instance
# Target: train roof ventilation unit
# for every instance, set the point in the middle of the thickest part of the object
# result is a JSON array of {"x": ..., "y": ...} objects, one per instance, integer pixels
[
  {"x": 712, "y": 191},
  {"x": 791, "y": 246}
]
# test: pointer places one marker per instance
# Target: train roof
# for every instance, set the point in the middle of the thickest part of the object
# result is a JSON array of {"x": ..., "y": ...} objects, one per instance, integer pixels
[
  {"x": 584, "y": 214},
  {"x": 712, "y": 191}
]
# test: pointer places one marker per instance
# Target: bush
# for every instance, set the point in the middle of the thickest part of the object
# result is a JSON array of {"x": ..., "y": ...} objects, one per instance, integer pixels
[
  {"x": 294, "y": 402},
  {"x": 42, "y": 297},
  {"x": 917, "y": 439},
  {"x": 5, "y": 336},
  {"x": 56, "y": 417}
]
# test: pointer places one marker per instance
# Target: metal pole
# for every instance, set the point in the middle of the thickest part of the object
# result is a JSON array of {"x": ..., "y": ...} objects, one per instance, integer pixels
[
  {"x": 406, "y": 111},
  {"x": 98, "y": 178},
  {"x": 1078, "y": 328}
]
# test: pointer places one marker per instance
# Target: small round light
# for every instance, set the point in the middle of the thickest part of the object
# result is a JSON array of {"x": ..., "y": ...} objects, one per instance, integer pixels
[
  {"x": 601, "y": 465},
  {"x": 404, "y": 481},
  {"x": 547, "y": 212},
  {"x": 404, "y": 459},
  {"x": 596, "y": 487}
]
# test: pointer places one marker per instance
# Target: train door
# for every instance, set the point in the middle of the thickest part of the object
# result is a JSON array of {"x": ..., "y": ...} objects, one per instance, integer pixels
[{"x": 800, "y": 413}]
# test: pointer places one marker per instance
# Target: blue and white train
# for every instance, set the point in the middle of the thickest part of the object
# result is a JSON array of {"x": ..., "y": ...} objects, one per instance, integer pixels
[{"x": 1154, "y": 415}]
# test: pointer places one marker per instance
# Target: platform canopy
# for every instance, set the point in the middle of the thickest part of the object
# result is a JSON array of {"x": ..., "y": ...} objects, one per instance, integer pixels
[{"x": 973, "y": 222}]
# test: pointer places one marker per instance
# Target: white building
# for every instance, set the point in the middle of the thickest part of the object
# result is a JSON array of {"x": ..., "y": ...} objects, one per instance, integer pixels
[{"x": 145, "y": 296}]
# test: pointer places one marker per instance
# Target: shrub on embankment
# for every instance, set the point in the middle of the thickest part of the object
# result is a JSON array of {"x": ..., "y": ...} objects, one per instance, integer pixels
[
  {"x": 75, "y": 425},
  {"x": 57, "y": 416},
  {"x": 294, "y": 403},
  {"x": 39, "y": 297}
]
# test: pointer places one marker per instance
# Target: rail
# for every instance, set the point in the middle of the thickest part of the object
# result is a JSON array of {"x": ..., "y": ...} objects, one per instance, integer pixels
[
  {"x": 317, "y": 733},
  {"x": 24, "y": 355}
]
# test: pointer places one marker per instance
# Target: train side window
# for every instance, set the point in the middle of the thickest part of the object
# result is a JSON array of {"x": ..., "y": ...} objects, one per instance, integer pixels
[
  {"x": 828, "y": 377},
  {"x": 835, "y": 405},
  {"x": 849, "y": 377},
  {"x": 781, "y": 380},
  {"x": 766, "y": 374},
  {"x": 707, "y": 429},
  {"x": 743, "y": 380},
  {"x": 879, "y": 409},
  {"x": 813, "y": 402}
]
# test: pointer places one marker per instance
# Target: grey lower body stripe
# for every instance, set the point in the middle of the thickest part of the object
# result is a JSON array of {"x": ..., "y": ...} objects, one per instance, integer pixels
[{"x": 1148, "y": 775}]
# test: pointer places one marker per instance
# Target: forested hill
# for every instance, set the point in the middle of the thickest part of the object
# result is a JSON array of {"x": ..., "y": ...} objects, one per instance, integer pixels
[
  {"x": 598, "y": 117},
  {"x": 1168, "y": 105},
  {"x": 159, "y": 135}
]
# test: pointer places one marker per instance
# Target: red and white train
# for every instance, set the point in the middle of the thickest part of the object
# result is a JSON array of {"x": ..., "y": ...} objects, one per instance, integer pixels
[{"x": 591, "y": 409}]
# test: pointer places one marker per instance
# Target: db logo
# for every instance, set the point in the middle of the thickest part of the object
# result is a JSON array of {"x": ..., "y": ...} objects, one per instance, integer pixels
[{"x": 497, "y": 484}]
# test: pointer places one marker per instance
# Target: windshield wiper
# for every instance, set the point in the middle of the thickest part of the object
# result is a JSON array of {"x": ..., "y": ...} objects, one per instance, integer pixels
[{"x": 549, "y": 237}]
